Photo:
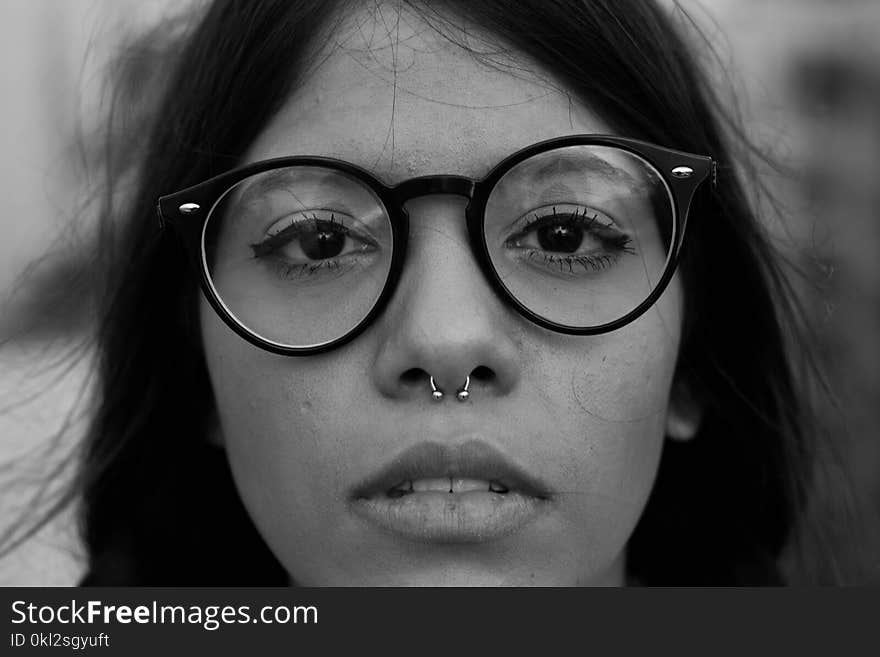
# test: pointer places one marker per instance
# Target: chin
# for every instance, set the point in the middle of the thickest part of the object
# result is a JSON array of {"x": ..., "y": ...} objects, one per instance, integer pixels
[{"x": 452, "y": 577}]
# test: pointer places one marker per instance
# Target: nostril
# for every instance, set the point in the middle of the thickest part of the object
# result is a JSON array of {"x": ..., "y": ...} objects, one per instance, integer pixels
[
  {"x": 483, "y": 373},
  {"x": 414, "y": 375}
]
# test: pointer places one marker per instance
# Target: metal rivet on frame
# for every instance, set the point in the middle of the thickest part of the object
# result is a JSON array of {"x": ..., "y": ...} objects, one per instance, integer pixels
[
  {"x": 682, "y": 172},
  {"x": 189, "y": 208}
]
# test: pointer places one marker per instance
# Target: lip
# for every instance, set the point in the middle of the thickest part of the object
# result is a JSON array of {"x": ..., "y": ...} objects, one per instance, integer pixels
[{"x": 443, "y": 517}]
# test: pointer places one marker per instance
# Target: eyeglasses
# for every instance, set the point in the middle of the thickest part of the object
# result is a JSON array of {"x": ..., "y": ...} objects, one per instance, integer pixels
[{"x": 579, "y": 234}]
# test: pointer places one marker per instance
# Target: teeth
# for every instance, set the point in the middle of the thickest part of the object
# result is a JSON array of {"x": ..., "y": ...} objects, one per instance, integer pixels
[
  {"x": 465, "y": 485},
  {"x": 445, "y": 485},
  {"x": 440, "y": 485}
]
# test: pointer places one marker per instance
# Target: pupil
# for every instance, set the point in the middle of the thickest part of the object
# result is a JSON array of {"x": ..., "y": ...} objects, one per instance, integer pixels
[
  {"x": 561, "y": 239},
  {"x": 322, "y": 244}
]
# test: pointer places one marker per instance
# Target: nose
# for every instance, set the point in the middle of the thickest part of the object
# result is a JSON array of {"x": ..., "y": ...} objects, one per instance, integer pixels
[{"x": 444, "y": 321}]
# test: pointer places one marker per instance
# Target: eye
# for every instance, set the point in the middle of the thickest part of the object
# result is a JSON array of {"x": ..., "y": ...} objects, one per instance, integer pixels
[
  {"x": 561, "y": 235},
  {"x": 313, "y": 236},
  {"x": 565, "y": 229}
]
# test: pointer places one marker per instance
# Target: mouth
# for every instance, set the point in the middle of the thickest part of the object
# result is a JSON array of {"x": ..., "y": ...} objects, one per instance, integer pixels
[
  {"x": 438, "y": 493},
  {"x": 452, "y": 485}
]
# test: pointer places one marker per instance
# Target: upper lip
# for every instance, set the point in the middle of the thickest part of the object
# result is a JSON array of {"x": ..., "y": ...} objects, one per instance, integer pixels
[{"x": 473, "y": 459}]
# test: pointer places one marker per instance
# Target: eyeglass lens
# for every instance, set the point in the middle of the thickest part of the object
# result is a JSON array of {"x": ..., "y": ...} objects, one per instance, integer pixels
[{"x": 579, "y": 235}]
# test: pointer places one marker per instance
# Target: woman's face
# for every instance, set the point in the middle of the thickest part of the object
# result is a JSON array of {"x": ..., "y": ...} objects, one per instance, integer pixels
[{"x": 571, "y": 426}]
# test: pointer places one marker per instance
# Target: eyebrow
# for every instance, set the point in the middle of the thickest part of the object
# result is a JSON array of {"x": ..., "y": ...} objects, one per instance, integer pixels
[
  {"x": 279, "y": 180},
  {"x": 564, "y": 162},
  {"x": 568, "y": 162},
  {"x": 268, "y": 181}
]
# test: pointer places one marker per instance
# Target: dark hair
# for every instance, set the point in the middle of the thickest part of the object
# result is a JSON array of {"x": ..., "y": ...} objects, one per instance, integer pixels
[{"x": 159, "y": 503}]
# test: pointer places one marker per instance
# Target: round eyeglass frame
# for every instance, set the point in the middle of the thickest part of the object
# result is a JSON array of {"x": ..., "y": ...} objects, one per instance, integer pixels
[{"x": 186, "y": 214}]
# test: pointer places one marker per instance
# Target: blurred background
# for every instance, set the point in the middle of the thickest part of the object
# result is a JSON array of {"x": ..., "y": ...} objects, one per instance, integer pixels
[{"x": 804, "y": 73}]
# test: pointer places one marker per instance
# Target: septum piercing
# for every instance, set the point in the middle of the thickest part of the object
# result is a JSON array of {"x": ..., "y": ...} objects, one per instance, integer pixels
[
  {"x": 462, "y": 394},
  {"x": 435, "y": 392}
]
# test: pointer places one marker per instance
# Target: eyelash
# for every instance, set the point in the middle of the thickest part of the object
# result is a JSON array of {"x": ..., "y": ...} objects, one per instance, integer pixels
[
  {"x": 286, "y": 270},
  {"x": 266, "y": 249},
  {"x": 589, "y": 263},
  {"x": 619, "y": 243},
  {"x": 271, "y": 243}
]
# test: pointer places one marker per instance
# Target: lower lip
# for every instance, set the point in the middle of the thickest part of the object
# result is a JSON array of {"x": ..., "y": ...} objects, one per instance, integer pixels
[{"x": 442, "y": 517}]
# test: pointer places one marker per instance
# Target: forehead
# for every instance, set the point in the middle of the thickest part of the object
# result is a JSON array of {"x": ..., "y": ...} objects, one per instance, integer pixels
[{"x": 406, "y": 97}]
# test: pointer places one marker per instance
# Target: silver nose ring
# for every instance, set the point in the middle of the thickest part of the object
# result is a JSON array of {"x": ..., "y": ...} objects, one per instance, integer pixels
[
  {"x": 462, "y": 394},
  {"x": 436, "y": 393}
]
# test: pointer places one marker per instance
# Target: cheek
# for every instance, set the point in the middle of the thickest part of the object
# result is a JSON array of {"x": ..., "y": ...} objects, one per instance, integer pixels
[
  {"x": 627, "y": 380},
  {"x": 619, "y": 379},
  {"x": 608, "y": 397},
  {"x": 278, "y": 418}
]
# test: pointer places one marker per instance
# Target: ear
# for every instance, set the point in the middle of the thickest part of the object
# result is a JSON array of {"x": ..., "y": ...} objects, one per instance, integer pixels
[{"x": 685, "y": 413}]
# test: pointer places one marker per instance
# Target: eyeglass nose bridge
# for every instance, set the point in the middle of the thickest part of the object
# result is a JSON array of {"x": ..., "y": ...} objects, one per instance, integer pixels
[{"x": 427, "y": 185}]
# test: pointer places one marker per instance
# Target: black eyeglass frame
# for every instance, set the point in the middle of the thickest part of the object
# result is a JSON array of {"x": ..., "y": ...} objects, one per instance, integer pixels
[{"x": 186, "y": 213}]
